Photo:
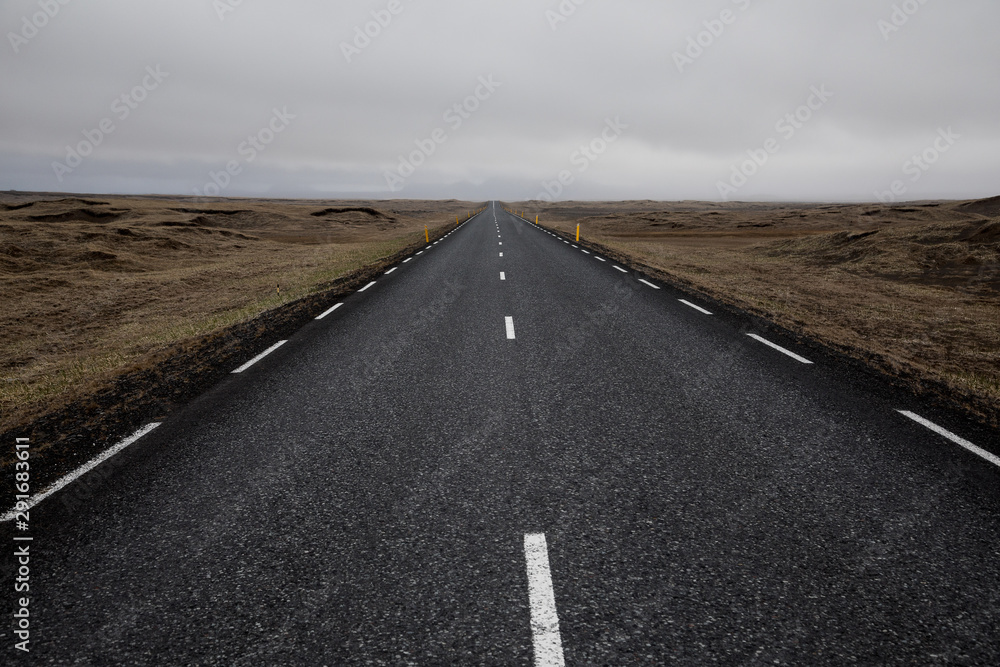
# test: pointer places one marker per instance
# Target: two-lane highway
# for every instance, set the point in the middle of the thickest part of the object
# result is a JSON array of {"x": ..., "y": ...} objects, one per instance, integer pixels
[{"x": 511, "y": 450}]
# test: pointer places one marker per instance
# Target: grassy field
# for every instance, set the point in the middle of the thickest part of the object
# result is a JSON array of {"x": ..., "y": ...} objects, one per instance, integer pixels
[
  {"x": 913, "y": 289},
  {"x": 92, "y": 286}
]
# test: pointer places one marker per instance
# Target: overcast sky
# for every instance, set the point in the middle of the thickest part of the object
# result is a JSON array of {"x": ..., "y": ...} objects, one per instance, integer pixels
[{"x": 632, "y": 99}]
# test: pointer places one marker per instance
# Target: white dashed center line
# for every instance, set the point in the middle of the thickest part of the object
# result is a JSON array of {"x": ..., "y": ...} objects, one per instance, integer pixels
[
  {"x": 329, "y": 311},
  {"x": 962, "y": 442},
  {"x": 542, "y": 602},
  {"x": 510, "y": 327},
  {"x": 260, "y": 356},
  {"x": 501, "y": 254},
  {"x": 780, "y": 349},
  {"x": 698, "y": 308},
  {"x": 503, "y": 276}
]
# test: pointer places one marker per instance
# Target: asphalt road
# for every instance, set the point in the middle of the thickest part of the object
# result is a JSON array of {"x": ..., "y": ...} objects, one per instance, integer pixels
[{"x": 401, "y": 480}]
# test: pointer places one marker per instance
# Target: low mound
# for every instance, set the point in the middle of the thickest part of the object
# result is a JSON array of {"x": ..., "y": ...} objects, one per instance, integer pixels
[
  {"x": 944, "y": 254},
  {"x": 375, "y": 213},
  {"x": 78, "y": 215},
  {"x": 988, "y": 207}
]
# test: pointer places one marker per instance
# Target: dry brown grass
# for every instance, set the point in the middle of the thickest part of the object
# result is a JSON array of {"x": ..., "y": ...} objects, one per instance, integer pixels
[
  {"x": 91, "y": 286},
  {"x": 918, "y": 286}
]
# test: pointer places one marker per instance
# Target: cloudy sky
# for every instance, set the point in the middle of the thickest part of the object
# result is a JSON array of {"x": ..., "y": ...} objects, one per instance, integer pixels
[{"x": 503, "y": 99}]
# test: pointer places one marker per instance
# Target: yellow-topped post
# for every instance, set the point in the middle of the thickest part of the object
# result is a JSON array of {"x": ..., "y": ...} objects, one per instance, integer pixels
[
  {"x": 427, "y": 234},
  {"x": 578, "y": 233}
]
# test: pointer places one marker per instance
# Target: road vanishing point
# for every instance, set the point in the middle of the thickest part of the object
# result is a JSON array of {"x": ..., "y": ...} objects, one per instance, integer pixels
[{"x": 513, "y": 450}]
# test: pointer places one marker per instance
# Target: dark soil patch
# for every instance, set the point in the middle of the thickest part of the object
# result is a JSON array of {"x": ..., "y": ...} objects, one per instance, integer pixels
[
  {"x": 78, "y": 215},
  {"x": 209, "y": 211},
  {"x": 352, "y": 209}
]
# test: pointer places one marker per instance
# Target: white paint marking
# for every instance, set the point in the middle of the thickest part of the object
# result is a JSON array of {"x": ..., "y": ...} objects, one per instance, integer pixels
[
  {"x": 577, "y": 247},
  {"x": 600, "y": 259},
  {"x": 698, "y": 308},
  {"x": 391, "y": 270},
  {"x": 646, "y": 282},
  {"x": 420, "y": 253},
  {"x": 780, "y": 349},
  {"x": 501, "y": 254},
  {"x": 260, "y": 356},
  {"x": 501, "y": 243},
  {"x": 82, "y": 470},
  {"x": 542, "y": 602},
  {"x": 585, "y": 251},
  {"x": 366, "y": 287},
  {"x": 407, "y": 260},
  {"x": 510, "y": 327},
  {"x": 329, "y": 311},
  {"x": 503, "y": 276},
  {"x": 962, "y": 442}
]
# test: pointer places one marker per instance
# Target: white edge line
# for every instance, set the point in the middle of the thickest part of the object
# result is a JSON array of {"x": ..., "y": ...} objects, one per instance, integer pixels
[
  {"x": 600, "y": 259},
  {"x": 546, "y": 638},
  {"x": 585, "y": 251},
  {"x": 391, "y": 270},
  {"x": 646, "y": 282},
  {"x": 780, "y": 349},
  {"x": 503, "y": 276},
  {"x": 366, "y": 286},
  {"x": 407, "y": 260},
  {"x": 82, "y": 470},
  {"x": 260, "y": 356},
  {"x": 621, "y": 269},
  {"x": 698, "y": 308},
  {"x": 510, "y": 327},
  {"x": 329, "y": 311},
  {"x": 962, "y": 442}
]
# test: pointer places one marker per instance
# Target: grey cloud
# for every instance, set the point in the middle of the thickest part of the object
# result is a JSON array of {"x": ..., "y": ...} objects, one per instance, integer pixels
[{"x": 355, "y": 119}]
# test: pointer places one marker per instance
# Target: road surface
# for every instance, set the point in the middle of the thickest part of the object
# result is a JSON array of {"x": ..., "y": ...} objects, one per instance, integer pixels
[{"x": 513, "y": 451}]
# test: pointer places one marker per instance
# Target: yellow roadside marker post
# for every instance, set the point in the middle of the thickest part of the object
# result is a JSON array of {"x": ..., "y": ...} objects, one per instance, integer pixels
[
  {"x": 536, "y": 219},
  {"x": 427, "y": 234},
  {"x": 578, "y": 233}
]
